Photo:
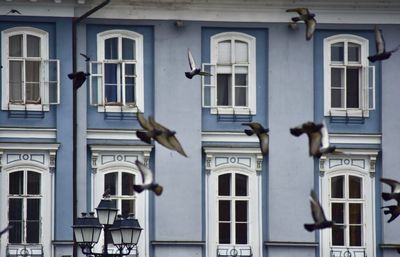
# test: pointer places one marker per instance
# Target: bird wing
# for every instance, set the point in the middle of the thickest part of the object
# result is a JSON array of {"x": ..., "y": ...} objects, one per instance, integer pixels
[
  {"x": 254, "y": 126},
  {"x": 176, "y": 145},
  {"x": 264, "y": 141},
  {"x": 6, "y": 229},
  {"x": 192, "y": 64},
  {"x": 314, "y": 142},
  {"x": 296, "y": 131},
  {"x": 147, "y": 175},
  {"x": 310, "y": 28},
  {"x": 379, "y": 41},
  {"x": 324, "y": 136},
  {"x": 394, "y": 185},
  {"x": 316, "y": 208},
  {"x": 300, "y": 11},
  {"x": 145, "y": 124},
  {"x": 163, "y": 134}
]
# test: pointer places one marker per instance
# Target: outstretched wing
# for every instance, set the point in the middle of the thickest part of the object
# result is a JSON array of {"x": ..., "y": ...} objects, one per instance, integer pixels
[
  {"x": 300, "y": 11},
  {"x": 310, "y": 28},
  {"x": 192, "y": 64},
  {"x": 379, "y": 41},
  {"x": 316, "y": 208},
  {"x": 394, "y": 184},
  {"x": 147, "y": 175}
]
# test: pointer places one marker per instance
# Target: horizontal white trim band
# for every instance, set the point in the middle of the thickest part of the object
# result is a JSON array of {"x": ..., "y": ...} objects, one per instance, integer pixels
[
  {"x": 111, "y": 134},
  {"x": 228, "y": 137},
  {"x": 28, "y": 133},
  {"x": 373, "y": 139},
  {"x": 29, "y": 146}
]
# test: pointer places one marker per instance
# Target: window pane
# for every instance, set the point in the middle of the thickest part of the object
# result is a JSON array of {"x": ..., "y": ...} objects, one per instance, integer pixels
[
  {"x": 338, "y": 212},
  {"x": 128, "y": 207},
  {"x": 33, "y": 183},
  {"x": 355, "y": 236},
  {"x": 353, "y": 52},
  {"x": 15, "y": 219},
  {"x": 337, "y": 236},
  {"x": 337, "y": 98},
  {"x": 241, "y": 233},
  {"x": 15, "y": 209},
  {"x": 111, "y": 92},
  {"x": 33, "y": 221},
  {"x": 128, "y": 49},
  {"x": 337, "y": 184},
  {"x": 241, "y": 52},
  {"x": 111, "y": 48},
  {"x": 130, "y": 82},
  {"x": 15, "y": 46},
  {"x": 33, "y": 46},
  {"x": 33, "y": 209},
  {"x": 224, "y": 89},
  {"x": 241, "y": 96},
  {"x": 355, "y": 213},
  {"x": 224, "y": 184},
  {"x": 224, "y": 52},
  {"x": 355, "y": 189},
  {"x": 15, "y": 81},
  {"x": 110, "y": 182},
  {"x": 337, "y": 77},
  {"x": 352, "y": 89},
  {"x": 241, "y": 185},
  {"x": 127, "y": 183},
  {"x": 241, "y": 210},
  {"x": 224, "y": 233},
  {"x": 32, "y": 81},
  {"x": 224, "y": 210},
  {"x": 16, "y": 183},
  {"x": 337, "y": 51}
]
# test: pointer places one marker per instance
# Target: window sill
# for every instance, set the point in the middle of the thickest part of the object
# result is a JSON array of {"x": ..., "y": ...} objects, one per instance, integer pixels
[
  {"x": 26, "y": 107},
  {"x": 232, "y": 111},
  {"x": 117, "y": 108},
  {"x": 348, "y": 113}
]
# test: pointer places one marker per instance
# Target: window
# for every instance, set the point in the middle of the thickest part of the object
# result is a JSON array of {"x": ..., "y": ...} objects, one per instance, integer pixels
[
  {"x": 347, "y": 193},
  {"x": 232, "y": 88},
  {"x": 117, "y": 76},
  {"x": 349, "y": 81},
  {"x": 30, "y": 78},
  {"x": 233, "y": 212}
]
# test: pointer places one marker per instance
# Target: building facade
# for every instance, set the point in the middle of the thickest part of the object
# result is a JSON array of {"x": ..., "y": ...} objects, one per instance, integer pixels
[{"x": 225, "y": 198}]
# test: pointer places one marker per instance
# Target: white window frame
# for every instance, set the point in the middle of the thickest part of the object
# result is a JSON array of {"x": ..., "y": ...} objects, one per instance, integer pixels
[
  {"x": 246, "y": 161},
  {"x": 366, "y": 86},
  {"x": 44, "y": 70},
  {"x": 251, "y": 94},
  {"x": 359, "y": 163},
  {"x": 108, "y": 159},
  {"x": 39, "y": 158},
  {"x": 99, "y": 76}
]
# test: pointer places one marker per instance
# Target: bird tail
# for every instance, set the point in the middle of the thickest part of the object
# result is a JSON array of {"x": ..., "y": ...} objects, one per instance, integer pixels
[
  {"x": 309, "y": 227},
  {"x": 138, "y": 188},
  {"x": 188, "y": 75},
  {"x": 249, "y": 132},
  {"x": 296, "y": 131},
  {"x": 142, "y": 135},
  {"x": 387, "y": 196}
]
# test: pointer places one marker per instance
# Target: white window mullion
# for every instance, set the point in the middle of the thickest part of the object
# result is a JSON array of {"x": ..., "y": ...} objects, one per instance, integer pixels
[{"x": 123, "y": 86}]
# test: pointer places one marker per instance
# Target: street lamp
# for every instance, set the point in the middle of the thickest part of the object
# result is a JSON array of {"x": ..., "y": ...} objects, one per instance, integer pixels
[{"x": 125, "y": 233}]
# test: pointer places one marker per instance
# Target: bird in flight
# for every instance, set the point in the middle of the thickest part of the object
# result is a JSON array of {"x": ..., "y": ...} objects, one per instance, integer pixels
[
  {"x": 320, "y": 221},
  {"x": 307, "y": 17},
  {"x": 393, "y": 210},
  {"x": 87, "y": 58},
  {"x": 381, "y": 53},
  {"x": 193, "y": 70},
  {"x": 261, "y": 132},
  {"x": 78, "y": 78},
  {"x": 14, "y": 11},
  {"x": 148, "y": 181},
  {"x": 395, "y": 190},
  {"x": 6, "y": 229}
]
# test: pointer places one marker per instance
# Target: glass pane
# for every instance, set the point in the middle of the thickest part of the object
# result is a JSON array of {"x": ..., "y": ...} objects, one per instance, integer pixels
[
  {"x": 241, "y": 233},
  {"x": 338, "y": 212},
  {"x": 127, "y": 183},
  {"x": 15, "y": 46},
  {"x": 110, "y": 182},
  {"x": 15, "y": 234},
  {"x": 224, "y": 184},
  {"x": 337, "y": 98},
  {"x": 33, "y": 183},
  {"x": 337, "y": 236},
  {"x": 128, "y": 49},
  {"x": 353, "y": 52},
  {"x": 32, "y": 73},
  {"x": 241, "y": 96},
  {"x": 33, "y": 46},
  {"x": 130, "y": 82},
  {"x": 355, "y": 189},
  {"x": 355, "y": 236},
  {"x": 241, "y": 210},
  {"x": 111, "y": 49},
  {"x": 224, "y": 210},
  {"x": 337, "y": 88},
  {"x": 15, "y": 81},
  {"x": 337, "y": 77},
  {"x": 241, "y": 52},
  {"x": 352, "y": 89},
  {"x": 111, "y": 89},
  {"x": 224, "y": 52},
  {"x": 32, "y": 231},
  {"x": 355, "y": 213},
  {"x": 33, "y": 209},
  {"x": 224, "y": 89},
  {"x": 241, "y": 185},
  {"x": 128, "y": 207},
  {"x": 224, "y": 233},
  {"x": 337, "y": 184},
  {"x": 16, "y": 183},
  {"x": 15, "y": 219},
  {"x": 337, "y": 51}
]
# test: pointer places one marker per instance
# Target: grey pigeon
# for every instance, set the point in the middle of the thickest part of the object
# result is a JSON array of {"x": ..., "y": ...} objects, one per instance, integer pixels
[
  {"x": 6, "y": 229},
  {"x": 107, "y": 192},
  {"x": 307, "y": 17},
  {"x": 395, "y": 190},
  {"x": 318, "y": 138},
  {"x": 381, "y": 53},
  {"x": 262, "y": 134},
  {"x": 78, "y": 78},
  {"x": 147, "y": 177},
  {"x": 193, "y": 70},
  {"x": 394, "y": 210},
  {"x": 318, "y": 215}
]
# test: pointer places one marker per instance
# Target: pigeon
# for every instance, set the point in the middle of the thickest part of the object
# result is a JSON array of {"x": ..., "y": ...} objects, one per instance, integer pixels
[
  {"x": 6, "y": 229},
  {"x": 87, "y": 58},
  {"x": 395, "y": 190},
  {"x": 148, "y": 182},
  {"x": 318, "y": 215},
  {"x": 107, "y": 192},
  {"x": 318, "y": 138},
  {"x": 261, "y": 132},
  {"x": 193, "y": 70},
  {"x": 78, "y": 78},
  {"x": 394, "y": 210},
  {"x": 14, "y": 11},
  {"x": 146, "y": 135},
  {"x": 381, "y": 53},
  {"x": 307, "y": 17}
]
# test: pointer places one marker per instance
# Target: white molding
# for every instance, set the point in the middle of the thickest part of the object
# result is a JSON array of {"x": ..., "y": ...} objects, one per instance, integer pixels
[
  {"x": 233, "y": 137},
  {"x": 111, "y": 134},
  {"x": 28, "y": 133},
  {"x": 29, "y": 146},
  {"x": 229, "y": 150},
  {"x": 355, "y": 139}
]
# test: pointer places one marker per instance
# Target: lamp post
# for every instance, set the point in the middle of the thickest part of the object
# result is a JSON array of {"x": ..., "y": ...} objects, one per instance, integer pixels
[{"x": 125, "y": 233}]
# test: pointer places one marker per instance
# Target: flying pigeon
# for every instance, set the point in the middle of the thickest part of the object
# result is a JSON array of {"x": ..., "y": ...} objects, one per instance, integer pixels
[
  {"x": 395, "y": 190},
  {"x": 318, "y": 138},
  {"x": 14, "y": 11},
  {"x": 6, "y": 229},
  {"x": 87, "y": 58},
  {"x": 193, "y": 70},
  {"x": 381, "y": 53},
  {"x": 78, "y": 78},
  {"x": 148, "y": 182},
  {"x": 149, "y": 132},
  {"x": 394, "y": 210},
  {"x": 318, "y": 215},
  {"x": 262, "y": 134},
  {"x": 307, "y": 17}
]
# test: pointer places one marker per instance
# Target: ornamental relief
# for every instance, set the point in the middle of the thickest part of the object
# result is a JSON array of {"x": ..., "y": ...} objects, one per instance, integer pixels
[
  {"x": 101, "y": 161},
  {"x": 213, "y": 162},
  {"x": 367, "y": 163}
]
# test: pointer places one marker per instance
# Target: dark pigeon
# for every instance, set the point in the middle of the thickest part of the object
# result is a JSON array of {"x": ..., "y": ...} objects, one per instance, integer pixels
[
  {"x": 147, "y": 177},
  {"x": 318, "y": 215},
  {"x": 381, "y": 53},
  {"x": 78, "y": 78},
  {"x": 193, "y": 70},
  {"x": 262, "y": 134},
  {"x": 307, "y": 17}
]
